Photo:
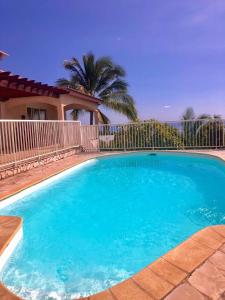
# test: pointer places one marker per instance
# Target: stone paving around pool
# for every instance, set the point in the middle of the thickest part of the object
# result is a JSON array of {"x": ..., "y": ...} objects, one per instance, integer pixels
[
  {"x": 14, "y": 184},
  {"x": 194, "y": 270}
]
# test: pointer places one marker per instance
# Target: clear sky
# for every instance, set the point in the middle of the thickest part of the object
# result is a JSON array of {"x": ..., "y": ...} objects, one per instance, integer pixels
[{"x": 173, "y": 50}]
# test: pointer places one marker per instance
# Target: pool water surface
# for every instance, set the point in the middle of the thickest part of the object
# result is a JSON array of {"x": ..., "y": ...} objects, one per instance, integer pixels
[{"x": 105, "y": 221}]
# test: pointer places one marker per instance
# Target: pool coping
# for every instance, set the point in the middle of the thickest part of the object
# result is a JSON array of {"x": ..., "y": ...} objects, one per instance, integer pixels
[
  {"x": 169, "y": 277},
  {"x": 10, "y": 234},
  {"x": 18, "y": 189}
]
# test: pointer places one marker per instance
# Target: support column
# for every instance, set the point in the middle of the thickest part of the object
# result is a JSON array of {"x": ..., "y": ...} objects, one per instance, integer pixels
[
  {"x": 2, "y": 110},
  {"x": 60, "y": 112},
  {"x": 61, "y": 129}
]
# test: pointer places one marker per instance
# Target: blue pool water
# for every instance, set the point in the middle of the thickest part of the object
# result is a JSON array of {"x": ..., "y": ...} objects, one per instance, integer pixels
[{"x": 107, "y": 220}]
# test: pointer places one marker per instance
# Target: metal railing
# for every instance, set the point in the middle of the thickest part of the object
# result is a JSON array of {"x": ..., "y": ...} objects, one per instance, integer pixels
[
  {"x": 21, "y": 140},
  {"x": 193, "y": 134}
]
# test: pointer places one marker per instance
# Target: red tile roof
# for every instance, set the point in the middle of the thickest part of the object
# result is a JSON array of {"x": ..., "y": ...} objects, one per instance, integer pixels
[{"x": 15, "y": 86}]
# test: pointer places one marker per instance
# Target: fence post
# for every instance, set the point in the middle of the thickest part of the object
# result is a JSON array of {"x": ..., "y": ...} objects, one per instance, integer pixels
[
  {"x": 124, "y": 138},
  {"x": 38, "y": 139},
  {"x": 223, "y": 133},
  {"x": 13, "y": 141},
  {"x": 81, "y": 136}
]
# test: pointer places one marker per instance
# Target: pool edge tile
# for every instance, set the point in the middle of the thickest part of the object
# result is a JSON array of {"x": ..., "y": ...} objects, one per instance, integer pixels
[
  {"x": 129, "y": 290},
  {"x": 6, "y": 294},
  {"x": 9, "y": 226},
  {"x": 188, "y": 255},
  {"x": 167, "y": 271}
]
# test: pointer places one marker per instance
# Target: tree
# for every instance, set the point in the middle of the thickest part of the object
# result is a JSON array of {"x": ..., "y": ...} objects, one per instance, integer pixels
[
  {"x": 188, "y": 114},
  {"x": 103, "y": 79},
  {"x": 189, "y": 127},
  {"x": 202, "y": 131},
  {"x": 210, "y": 130},
  {"x": 150, "y": 134}
]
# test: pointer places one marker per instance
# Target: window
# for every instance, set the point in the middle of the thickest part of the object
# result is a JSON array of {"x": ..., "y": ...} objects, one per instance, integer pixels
[{"x": 36, "y": 113}]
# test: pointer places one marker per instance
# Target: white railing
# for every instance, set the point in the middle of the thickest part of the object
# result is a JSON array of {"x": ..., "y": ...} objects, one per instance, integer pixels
[
  {"x": 153, "y": 134},
  {"x": 24, "y": 140}
]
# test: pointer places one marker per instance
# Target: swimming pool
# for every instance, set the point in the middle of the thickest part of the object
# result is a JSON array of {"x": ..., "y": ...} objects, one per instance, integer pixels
[{"x": 105, "y": 221}]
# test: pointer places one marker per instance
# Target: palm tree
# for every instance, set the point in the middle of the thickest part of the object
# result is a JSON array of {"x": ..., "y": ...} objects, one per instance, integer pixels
[
  {"x": 211, "y": 130},
  {"x": 205, "y": 129},
  {"x": 103, "y": 79},
  {"x": 188, "y": 114},
  {"x": 188, "y": 125}
]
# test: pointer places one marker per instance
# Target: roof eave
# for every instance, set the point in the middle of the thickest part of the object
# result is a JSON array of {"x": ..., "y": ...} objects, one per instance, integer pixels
[{"x": 83, "y": 96}]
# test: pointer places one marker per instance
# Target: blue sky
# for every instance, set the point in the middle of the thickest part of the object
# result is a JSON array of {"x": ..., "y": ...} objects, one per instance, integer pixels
[{"x": 173, "y": 51}]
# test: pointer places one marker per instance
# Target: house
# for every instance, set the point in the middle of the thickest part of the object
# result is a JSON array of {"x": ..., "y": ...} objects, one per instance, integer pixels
[{"x": 22, "y": 98}]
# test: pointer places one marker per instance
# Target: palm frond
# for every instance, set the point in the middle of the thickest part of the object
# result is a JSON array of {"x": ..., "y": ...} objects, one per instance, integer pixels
[
  {"x": 189, "y": 114},
  {"x": 102, "y": 78},
  {"x": 63, "y": 82},
  {"x": 119, "y": 71},
  {"x": 204, "y": 116},
  {"x": 76, "y": 113},
  {"x": 103, "y": 63},
  {"x": 76, "y": 72},
  {"x": 116, "y": 88},
  {"x": 103, "y": 118},
  {"x": 120, "y": 97},
  {"x": 89, "y": 68},
  {"x": 126, "y": 107},
  {"x": 78, "y": 66}
]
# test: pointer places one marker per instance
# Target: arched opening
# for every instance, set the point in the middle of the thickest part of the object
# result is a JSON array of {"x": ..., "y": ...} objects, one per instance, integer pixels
[{"x": 81, "y": 113}]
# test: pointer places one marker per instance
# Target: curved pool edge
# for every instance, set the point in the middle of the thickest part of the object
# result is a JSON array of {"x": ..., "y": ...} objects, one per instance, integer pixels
[
  {"x": 10, "y": 235},
  {"x": 162, "y": 279},
  {"x": 178, "y": 272},
  {"x": 169, "y": 276},
  {"x": 217, "y": 154}
]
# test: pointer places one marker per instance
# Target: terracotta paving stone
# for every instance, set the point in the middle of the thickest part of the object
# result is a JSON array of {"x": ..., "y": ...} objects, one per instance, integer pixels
[
  {"x": 128, "y": 290},
  {"x": 188, "y": 255},
  {"x": 220, "y": 229},
  {"x": 209, "y": 280},
  {"x": 222, "y": 248},
  {"x": 14, "y": 184},
  {"x": 167, "y": 271},
  {"x": 218, "y": 259},
  {"x": 8, "y": 228},
  {"x": 185, "y": 292},
  {"x": 5, "y": 294},
  {"x": 209, "y": 237},
  {"x": 155, "y": 285},
  {"x": 106, "y": 295}
]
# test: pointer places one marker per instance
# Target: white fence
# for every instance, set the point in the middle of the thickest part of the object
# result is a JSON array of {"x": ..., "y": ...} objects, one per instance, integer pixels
[
  {"x": 193, "y": 134},
  {"x": 23, "y": 140}
]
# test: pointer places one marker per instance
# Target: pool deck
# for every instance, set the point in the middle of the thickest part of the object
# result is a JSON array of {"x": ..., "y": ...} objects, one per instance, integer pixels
[{"x": 193, "y": 270}]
